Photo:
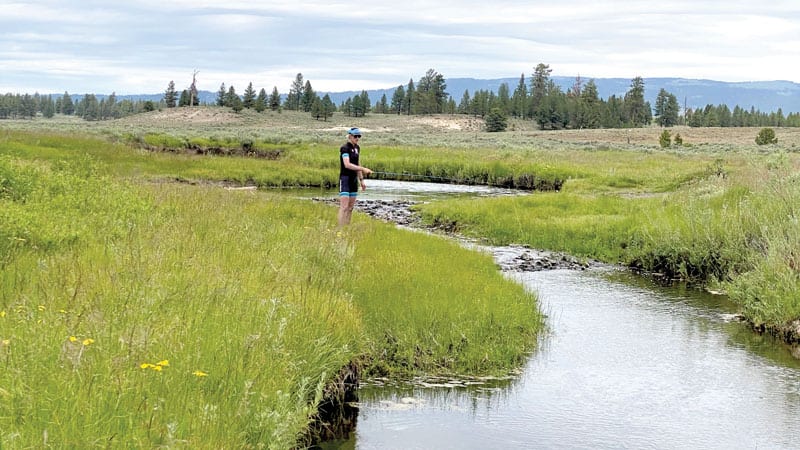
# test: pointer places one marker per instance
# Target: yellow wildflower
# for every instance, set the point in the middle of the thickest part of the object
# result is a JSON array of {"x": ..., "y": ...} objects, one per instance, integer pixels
[
  {"x": 88, "y": 341},
  {"x": 2, "y": 313},
  {"x": 164, "y": 363},
  {"x": 157, "y": 368},
  {"x": 146, "y": 365},
  {"x": 73, "y": 339},
  {"x": 199, "y": 373}
]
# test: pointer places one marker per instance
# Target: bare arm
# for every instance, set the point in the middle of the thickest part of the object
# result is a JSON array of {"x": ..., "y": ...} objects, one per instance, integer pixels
[{"x": 360, "y": 169}]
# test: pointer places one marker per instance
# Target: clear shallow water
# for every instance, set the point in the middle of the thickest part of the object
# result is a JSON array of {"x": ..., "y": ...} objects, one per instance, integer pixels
[
  {"x": 411, "y": 190},
  {"x": 626, "y": 364},
  {"x": 414, "y": 191}
]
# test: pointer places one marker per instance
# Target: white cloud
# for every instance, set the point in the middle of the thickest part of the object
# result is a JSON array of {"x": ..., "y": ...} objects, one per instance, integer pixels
[{"x": 94, "y": 45}]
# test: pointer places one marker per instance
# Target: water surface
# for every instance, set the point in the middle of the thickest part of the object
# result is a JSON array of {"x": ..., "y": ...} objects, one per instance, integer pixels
[
  {"x": 626, "y": 364},
  {"x": 414, "y": 191}
]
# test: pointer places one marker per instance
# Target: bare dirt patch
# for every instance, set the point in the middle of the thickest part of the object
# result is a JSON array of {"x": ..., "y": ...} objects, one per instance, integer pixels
[
  {"x": 204, "y": 116},
  {"x": 450, "y": 122}
]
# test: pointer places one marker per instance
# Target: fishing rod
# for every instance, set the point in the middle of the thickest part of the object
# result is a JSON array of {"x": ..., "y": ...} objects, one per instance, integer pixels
[{"x": 416, "y": 175}]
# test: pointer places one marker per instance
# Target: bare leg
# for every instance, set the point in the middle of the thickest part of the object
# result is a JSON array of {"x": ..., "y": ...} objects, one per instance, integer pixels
[
  {"x": 350, "y": 208},
  {"x": 346, "y": 205}
]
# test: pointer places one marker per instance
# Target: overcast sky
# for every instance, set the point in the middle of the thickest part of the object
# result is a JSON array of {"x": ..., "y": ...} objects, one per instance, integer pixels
[{"x": 134, "y": 47}]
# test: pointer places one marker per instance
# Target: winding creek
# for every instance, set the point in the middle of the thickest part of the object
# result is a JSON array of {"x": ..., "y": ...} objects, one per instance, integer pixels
[{"x": 626, "y": 364}]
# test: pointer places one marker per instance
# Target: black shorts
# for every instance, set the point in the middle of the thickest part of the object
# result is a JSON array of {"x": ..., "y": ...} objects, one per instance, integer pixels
[{"x": 348, "y": 186}]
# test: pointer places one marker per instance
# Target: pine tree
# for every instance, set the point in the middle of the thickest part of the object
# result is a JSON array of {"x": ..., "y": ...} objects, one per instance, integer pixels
[
  {"x": 635, "y": 107},
  {"x": 590, "y": 106},
  {"x": 357, "y": 108},
  {"x": 382, "y": 107},
  {"x": 68, "y": 106},
  {"x": 221, "y": 95},
  {"x": 409, "y": 98},
  {"x": 316, "y": 108},
  {"x": 28, "y": 106},
  {"x": 328, "y": 107},
  {"x": 398, "y": 100},
  {"x": 232, "y": 98},
  {"x": 451, "y": 106},
  {"x": 666, "y": 109},
  {"x": 249, "y": 96},
  {"x": 519, "y": 100},
  {"x": 275, "y": 99},
  {"x": 295, "y": 94},
  {"x": 185, "y": 98},
  {"x": 109, "y": 110},
  {"x": 90, "y": 107},
  {"x": 347, "y": 107},
  {"x": 308, "y": 97},
  {"x": 496, "y": 120},
  {"x": 541, "y": 76},
  {"x": 503, "y": 98},
  {"x": 464, "y": 106},
  {"x": 366, "y": 105},
  {"x": 49, "y": 107},
  {"x": 431, "y": 93},
  {"x": 261, "y": 101},
  {"x": 170, "y": 95}
]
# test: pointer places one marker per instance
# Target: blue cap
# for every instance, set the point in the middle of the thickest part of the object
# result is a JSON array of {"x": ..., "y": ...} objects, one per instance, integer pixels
[{"x": 354, "y": 131}]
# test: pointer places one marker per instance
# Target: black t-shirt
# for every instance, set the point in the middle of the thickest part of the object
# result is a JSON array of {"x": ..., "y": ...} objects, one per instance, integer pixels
[{"x": 352, "y": 153}]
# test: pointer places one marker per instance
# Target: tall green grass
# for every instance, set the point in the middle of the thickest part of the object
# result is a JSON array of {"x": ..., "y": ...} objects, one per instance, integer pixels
[
  {"x": 587, "y": 226},
  {"x": 744, "y": 237},
  {"x": 162, "y": 315},
  {"x": 432, "y": 305},
  {"x": 182, "y": 325},
  {"x": 735, "y": 230}
]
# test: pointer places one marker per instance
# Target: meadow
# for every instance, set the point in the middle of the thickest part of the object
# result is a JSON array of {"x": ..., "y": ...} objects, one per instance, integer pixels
[
  {"x": 143, "y": 304},
  {"x": 136, "y": 312}
]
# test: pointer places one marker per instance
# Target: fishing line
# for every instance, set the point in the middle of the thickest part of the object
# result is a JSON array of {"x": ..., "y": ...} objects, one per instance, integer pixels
[{"x": 416, "y": 175}]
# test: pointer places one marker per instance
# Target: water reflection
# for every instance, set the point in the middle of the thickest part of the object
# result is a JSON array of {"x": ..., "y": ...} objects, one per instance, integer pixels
[
  {"x": 627, "y": 364},
  {"x": 414, "y": 191},
  {"x": 717, "y": 309}
]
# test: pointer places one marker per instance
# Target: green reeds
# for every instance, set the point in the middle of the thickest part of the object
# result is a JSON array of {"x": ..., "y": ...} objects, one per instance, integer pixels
[
  {"x": 140, "y": 314},
  {"x": 586, "y": 226},
  {"x": 432, "y": 306},
  {"x": 204, "y": 319}
]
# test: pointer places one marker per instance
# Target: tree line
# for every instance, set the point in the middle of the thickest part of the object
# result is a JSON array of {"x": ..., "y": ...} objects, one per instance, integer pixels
[
  {"x": 538, "y": 99},
  {"x": 27, "y": 106}
]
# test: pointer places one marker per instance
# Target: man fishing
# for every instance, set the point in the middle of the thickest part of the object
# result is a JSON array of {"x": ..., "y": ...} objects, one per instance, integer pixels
[{"x": 350, "y": 175}]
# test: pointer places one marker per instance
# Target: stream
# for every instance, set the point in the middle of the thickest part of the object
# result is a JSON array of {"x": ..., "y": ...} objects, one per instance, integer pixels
[{"x": 625, "y": 363}]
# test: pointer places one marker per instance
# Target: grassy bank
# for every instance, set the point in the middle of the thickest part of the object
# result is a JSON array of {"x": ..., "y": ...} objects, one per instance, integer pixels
[
  {"x": 141, "y": 314},
  {"x": 732, "y": 227}
]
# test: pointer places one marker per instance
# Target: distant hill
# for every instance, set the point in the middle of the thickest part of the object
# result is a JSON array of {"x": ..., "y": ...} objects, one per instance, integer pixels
[{"x": 765, "y": 96}]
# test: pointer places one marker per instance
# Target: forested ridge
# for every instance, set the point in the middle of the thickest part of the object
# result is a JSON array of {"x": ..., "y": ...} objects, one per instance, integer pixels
[{"x": 536, "y": 97}]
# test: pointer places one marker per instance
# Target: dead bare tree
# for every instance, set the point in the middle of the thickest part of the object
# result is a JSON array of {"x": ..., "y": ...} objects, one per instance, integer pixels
[{"x": 193, "y": 90}]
